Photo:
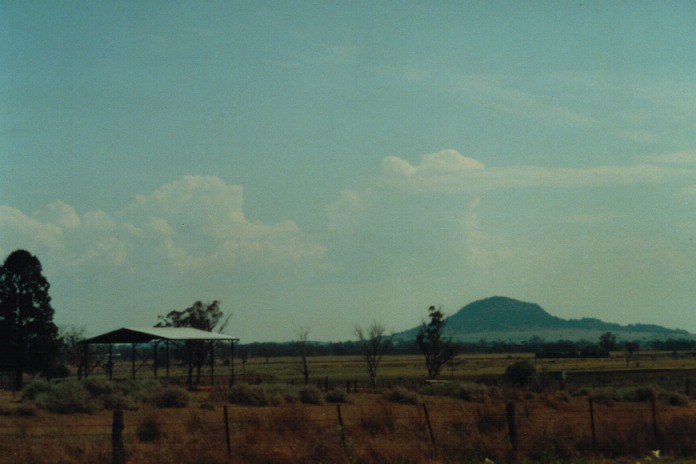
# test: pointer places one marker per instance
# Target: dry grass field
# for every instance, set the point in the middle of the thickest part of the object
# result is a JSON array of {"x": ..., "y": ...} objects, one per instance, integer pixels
[{"x": 638, "y": 413}]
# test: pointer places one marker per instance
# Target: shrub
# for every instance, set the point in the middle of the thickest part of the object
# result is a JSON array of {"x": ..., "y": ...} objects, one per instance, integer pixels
[
  {"x": 311, "y": 395},
  {"x": 250, "y": 395},
  {"x": 170, "y": 397},
  {"x": 467, "y": 391},
  {"x": 278, "y": 393},
  {"x": 639, "y": 394},
  {"x": 67, "y": 398},
  {"x": 336, "y": 396},
  {"x": 137, "y": 390},
  {"x": 606, "y": 396},
  {"x": 519, "y": 373},
  {"x": 98, "y": 386},
  {"x": 118, "y": 400},
  {"x": 34, "y": 388},
  {"x": 677, "y": 399},
  {"x": 402, "y": 396},
  {"x": 149, "y": 428}
]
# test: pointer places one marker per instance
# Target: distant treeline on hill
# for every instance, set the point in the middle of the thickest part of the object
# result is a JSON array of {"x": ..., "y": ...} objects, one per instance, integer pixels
[{"x": 560, "y": 348}]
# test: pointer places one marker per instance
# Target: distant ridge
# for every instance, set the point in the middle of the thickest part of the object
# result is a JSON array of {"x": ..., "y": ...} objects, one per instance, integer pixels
[{"x": 501, "y": 318}]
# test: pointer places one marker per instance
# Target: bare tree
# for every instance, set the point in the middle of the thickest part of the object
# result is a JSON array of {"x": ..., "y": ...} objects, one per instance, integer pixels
[
  {"x": 303, "y": 351},
  {"x": 373, "y": 346},
  {"x": 73, "y": 350}
]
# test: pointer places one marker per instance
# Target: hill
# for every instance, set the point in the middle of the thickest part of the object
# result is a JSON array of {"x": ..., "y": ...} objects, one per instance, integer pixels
[{"x": 506, "y": 319}]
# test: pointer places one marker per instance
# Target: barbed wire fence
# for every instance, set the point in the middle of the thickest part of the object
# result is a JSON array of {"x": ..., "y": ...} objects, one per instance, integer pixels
[{"x": 433, "y": 424}]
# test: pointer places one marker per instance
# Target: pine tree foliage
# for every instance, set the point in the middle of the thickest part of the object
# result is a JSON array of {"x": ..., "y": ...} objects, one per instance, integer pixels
[{"x": 28, "y": 337}]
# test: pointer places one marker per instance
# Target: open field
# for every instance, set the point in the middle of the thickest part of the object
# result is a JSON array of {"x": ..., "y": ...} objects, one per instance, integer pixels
[
  {"x": 635, "y": 412},
  {"x": 656, "y": 366}
]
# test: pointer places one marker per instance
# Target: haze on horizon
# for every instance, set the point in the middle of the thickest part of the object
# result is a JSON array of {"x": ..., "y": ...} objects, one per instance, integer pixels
[{"x": 321, "y": 165}]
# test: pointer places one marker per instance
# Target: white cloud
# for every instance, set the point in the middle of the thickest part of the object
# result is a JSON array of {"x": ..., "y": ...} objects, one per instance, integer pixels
[
  {"x": 60, "y": 214},
  {"x": 484, "y": 249},
  {"x": 431, "y": 217},
  {"x": 676, "y": 158},
  {"x": 450, "y": 172},
  {"x": 18, "y": 230},
  {"x": 189, "y": 224},
  {"x": 688, "y": 192},
  {"x": 589, "y": 218},
  {"x": 442, "y": 162}
]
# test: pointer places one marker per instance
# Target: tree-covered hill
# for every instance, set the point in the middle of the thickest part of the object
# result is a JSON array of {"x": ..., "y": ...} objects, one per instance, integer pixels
[{"x": 506, "y": 319}]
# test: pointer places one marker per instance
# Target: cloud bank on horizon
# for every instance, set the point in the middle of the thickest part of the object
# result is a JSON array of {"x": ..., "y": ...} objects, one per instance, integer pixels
[{"x": 413, "y": 233}]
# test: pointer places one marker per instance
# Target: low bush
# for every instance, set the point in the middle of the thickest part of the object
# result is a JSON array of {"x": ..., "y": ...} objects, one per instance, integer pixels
[
  {"x": 676, "y": 399},
  {"x": 117, "y": 400},
  {"x": 402, "y": 396},
  {"x": 98, "y": 386},
  {"x": 279, "y": 393},
  {"x": 638, "y": 394},
  {"x": 311, "y": 395},
  {"x": 467, "y": 391},
  {"x": 520, "y": 373},
  {"x": 170, "y": 397},
  {"x": 337, "y": 396},
  {"x": 250, "y": 395},
  {"x": 34, "y": 388},
  {"x": 67, "y": 398},
  {"x": 149, "y": 428},
  {"x": 605, "y": 396}
]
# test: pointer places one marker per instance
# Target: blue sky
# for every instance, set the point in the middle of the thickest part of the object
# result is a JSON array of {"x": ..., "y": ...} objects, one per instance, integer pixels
[{"x": 321, "y": 164}]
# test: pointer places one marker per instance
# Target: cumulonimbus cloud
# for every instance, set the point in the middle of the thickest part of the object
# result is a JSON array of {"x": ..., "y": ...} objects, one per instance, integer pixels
[{"x": 188, "y": 224}]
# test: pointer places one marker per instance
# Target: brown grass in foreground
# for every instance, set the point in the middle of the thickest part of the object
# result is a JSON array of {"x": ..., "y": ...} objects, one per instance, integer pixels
[{"x": 552, "y": 428}]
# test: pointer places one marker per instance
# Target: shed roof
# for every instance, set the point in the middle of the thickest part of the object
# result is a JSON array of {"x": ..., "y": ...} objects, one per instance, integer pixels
[{"x": 145, "y": 335}]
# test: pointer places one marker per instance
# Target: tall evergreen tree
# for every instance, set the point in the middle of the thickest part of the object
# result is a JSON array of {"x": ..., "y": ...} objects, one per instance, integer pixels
[{"x": 28, "y": 336}]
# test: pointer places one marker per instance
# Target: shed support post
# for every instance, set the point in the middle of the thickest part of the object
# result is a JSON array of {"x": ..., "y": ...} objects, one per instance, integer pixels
[
  {"x": 133, "y": 360},
  {"x": 85, "y": 349},
  {"x": 212, "y": 363},
  {"x": 231, "y": 362},
  {"x": 111, "y": 361},
  {"x": 166, "y": 355},
  {"x": 154, "y": 357}
]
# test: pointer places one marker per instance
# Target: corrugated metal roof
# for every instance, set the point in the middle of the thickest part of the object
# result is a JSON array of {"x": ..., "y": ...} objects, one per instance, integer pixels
[{"x": 148, "y": 334}]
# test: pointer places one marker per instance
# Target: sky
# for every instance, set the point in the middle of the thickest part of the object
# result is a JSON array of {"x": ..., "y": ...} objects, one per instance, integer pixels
[{"x": 316, "y": 165}]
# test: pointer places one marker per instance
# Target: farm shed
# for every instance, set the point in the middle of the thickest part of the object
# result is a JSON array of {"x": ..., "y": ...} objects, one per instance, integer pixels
[{"x": 156, "y": 336}]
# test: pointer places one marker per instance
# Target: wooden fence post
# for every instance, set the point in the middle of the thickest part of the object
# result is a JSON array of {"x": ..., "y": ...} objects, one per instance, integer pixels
[
  {"x": 430, "y": 426},
  {"x": 512, "y": 424},
  {"x": 592, "y": 426},
  {"x": 654, "y": 419},
  {"x": 118, "y": 452},
  {"x": 340, "y": 424},
  {"x": 227, "y": 433}
]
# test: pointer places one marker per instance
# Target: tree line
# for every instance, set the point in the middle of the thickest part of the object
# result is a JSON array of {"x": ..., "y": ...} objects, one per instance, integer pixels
[
  {"x": 558, "y": 349},
  {"x": 30, "y": 341}
]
